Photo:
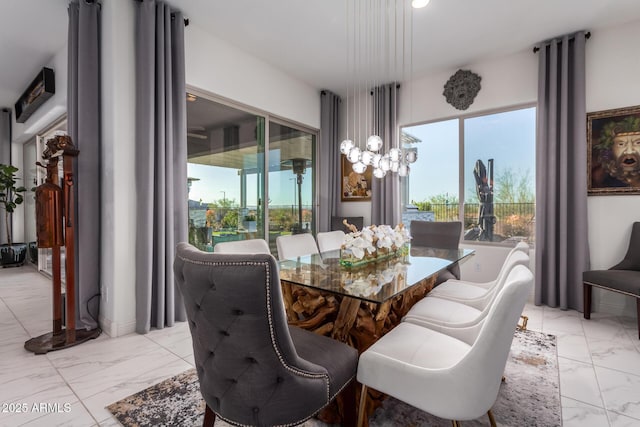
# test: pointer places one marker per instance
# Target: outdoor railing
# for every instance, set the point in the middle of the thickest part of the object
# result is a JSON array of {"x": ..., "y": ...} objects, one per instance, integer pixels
[{"x": 513, "y": 220}]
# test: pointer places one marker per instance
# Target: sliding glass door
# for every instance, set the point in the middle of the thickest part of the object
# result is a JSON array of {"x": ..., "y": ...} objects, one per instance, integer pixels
[
  {"x": 229, "y": 198},
  {"x": 291, "y": 181},
  {"x": 225, "y": 171}
]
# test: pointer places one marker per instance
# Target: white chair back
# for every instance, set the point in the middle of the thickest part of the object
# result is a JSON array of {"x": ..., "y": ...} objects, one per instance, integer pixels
[
  {"x": 521, "y": 246},
  {"x": 251, "y": 246},
  {"x": 489, "y": 352},
  {"x": 330, "y": 240},
  {"x": 295, "y": 245},
  {"x": 418, "y": 316},
  {"x": 515, "y": 257}
]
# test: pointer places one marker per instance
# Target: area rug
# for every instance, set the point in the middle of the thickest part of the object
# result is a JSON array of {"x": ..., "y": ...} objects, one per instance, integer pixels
[{"x": 530, "y": 396}]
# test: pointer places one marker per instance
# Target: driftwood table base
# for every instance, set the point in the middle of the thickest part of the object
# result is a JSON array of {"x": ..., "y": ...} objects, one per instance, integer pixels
[{"x": 349, "y": 320}]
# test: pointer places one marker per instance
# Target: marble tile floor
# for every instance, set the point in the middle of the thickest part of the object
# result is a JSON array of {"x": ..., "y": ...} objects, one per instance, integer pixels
[{"x": 599, "y": 363}]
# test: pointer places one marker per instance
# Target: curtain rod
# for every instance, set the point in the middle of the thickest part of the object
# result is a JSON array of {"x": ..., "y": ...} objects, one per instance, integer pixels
[
  {"x": 186, "y": 20},
  {"x": 587, "y": 35}
]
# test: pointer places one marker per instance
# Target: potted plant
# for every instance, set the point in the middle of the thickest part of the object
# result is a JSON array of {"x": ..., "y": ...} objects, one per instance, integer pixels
[
  {"x": 10, "y": 197},
  {"x": 249, "y": 222}
]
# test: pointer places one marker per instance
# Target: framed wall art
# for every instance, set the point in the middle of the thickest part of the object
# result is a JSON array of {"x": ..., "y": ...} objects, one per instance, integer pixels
[
  {"x": 356, "y": 187},
  {"x": 613, "y": 156}
]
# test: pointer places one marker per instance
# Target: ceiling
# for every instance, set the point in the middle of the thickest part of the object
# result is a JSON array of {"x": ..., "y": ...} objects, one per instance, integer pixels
[{"x": 307, "y": 38}]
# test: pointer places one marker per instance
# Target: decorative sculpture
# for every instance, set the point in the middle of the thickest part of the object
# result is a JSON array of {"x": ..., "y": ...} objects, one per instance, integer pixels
[
  {"x": 462, "y": 88},
  {"x": 55, "y": 227}
]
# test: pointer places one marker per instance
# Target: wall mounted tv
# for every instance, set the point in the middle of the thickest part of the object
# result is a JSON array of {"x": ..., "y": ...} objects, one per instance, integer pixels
[{"x": 41, "y": 89}]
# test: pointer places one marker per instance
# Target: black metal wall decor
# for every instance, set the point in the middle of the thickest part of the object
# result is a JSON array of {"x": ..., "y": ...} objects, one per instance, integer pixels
[
  {"x": 40, "y": 89},
  {"x": 462, "y": 88}
]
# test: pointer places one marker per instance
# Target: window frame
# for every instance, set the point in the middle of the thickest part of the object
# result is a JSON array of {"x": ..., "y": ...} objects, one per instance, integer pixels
[
  {"x": 268, "y": 118},
  {"x": 461, "y": 157}
]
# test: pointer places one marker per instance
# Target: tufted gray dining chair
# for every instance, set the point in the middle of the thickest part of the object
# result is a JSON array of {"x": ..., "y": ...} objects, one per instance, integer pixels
[{"x": 253, "y": 368}]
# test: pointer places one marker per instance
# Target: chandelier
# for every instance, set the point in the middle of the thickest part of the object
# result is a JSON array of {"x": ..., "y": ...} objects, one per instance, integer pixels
[{"x": 376, "y": 55}]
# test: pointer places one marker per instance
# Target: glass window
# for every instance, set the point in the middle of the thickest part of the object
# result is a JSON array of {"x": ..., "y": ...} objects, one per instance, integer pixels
[
  {"x": 225, "y": 172},
  {"x": 228, "y": 198},
  {"x": 498, "y": 174},
  {"x": 499, "y": 179},
  {"x": 291, "y": 181},
  {"x": 430, "y": 192}
]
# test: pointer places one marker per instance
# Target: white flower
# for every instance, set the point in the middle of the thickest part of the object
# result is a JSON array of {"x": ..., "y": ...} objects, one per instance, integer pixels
[
  {"x": 361, "y": 242},
  {"x": 385, "y": 242},
  {"x": 357, "y": 243}
]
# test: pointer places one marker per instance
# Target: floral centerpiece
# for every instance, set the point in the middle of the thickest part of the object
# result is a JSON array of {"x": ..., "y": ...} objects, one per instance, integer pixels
[{"x": 373, "y": 243}]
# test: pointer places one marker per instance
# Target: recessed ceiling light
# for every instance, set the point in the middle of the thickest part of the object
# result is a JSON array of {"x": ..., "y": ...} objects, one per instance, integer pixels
[{"x": 417, "y": 4}]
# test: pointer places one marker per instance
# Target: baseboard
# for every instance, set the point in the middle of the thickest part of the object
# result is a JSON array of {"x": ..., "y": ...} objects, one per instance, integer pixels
[{"x": 114, "y": 329}]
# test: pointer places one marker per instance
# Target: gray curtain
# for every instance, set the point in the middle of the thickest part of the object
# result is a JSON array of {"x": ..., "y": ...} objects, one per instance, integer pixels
[
  {"x": 83, "y": 124},
  {"x": 330, "y": 185},
  {"x": 562, "y": 251},
  {"x": 161, "y": 162},
  {"x": 385, "y": 198}
]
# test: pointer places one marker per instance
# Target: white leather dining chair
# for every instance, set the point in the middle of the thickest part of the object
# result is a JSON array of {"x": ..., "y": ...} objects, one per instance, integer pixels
[
  {"x": 444, "y": 314},
  {"x": 455, "y": 376},
  {"x": 478, "y": 296},
  {"x": 251, "y": 246},
  {"x": 521, "y": 246},
  {"x": 295, "y": 245},
  {"x": 330, "y": 240}
]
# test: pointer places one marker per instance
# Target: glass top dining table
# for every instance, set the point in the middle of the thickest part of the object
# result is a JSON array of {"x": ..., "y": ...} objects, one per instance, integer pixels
[{"x": 374, "y": 282}]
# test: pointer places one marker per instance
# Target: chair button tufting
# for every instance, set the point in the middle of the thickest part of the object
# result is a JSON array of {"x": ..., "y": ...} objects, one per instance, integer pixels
[
  {"x": 256, "y": 409},
  {"x": 233, "y": 380},
  {"x": 239, "y": 312},
  {"x": 251, "y": 360},
  {"x": 279, "y": 380},
  {"x": 225, "y": 333}
]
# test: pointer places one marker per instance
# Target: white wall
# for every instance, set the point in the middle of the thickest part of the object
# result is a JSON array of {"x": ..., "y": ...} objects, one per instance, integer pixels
[
  {"x": 612, "y": 82},
  {"x": 215, "y": 66},
  {"x": 118, "y": 198},
  {"x": 505, "y": 82}
]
